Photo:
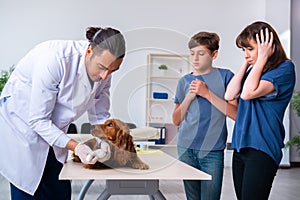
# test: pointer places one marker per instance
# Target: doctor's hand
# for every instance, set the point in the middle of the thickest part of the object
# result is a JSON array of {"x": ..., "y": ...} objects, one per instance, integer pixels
[
  {"x": 85, "y": 153},
  {"x": 103, "y": 153}
]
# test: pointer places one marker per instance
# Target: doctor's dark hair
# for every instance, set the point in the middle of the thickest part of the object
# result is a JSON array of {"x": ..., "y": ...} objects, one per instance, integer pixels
[
  {"x": 106, "y": 39},
  {"x": 209, "y": 40},
  {"x": 249, "y": 33}
]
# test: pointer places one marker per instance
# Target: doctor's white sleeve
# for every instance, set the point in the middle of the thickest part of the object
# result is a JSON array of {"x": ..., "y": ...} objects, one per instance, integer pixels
[{"x": 46, "y": 76}]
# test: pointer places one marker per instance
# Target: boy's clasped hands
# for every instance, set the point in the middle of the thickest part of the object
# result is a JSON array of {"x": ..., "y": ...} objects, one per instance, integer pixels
[{"x": 198, "y": 87}]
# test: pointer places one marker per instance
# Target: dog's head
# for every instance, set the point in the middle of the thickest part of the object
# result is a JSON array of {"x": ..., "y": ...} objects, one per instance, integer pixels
[
  {"x": 114, "y": 130},
  {"x": 123, "y": 152}
]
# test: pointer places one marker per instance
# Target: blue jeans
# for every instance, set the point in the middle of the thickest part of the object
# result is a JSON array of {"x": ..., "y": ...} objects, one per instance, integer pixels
[{"x": 210, "y": 162}]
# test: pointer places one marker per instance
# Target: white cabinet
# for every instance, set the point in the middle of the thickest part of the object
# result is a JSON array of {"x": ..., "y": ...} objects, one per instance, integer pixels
[{"x": 161, "y": 86}]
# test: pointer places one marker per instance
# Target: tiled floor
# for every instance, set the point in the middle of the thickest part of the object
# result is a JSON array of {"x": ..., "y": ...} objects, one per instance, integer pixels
[{"x": 285, "y": 187}]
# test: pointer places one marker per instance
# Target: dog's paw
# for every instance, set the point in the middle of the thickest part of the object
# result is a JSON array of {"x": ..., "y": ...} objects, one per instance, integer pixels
[
  {"x": 75, "y": 158},
  {"x": 140, "y": 165},
  {"x": 89, "y": 166}
]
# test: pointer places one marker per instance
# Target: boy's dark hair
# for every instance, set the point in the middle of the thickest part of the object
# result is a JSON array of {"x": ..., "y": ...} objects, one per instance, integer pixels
[{"x": 207, "y": 39}]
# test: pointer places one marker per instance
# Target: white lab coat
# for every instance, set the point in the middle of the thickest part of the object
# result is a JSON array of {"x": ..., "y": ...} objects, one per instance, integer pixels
[{"x": 48, "y": 90}]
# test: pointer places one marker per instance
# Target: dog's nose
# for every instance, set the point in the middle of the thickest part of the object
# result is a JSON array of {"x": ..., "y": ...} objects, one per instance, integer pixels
[{"x": 93, "y": 127}]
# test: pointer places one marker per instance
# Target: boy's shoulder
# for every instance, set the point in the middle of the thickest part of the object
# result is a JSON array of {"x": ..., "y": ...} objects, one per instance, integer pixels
[
  {"x": 224, "y": 71},
  {"x": 187, "y": 76}
]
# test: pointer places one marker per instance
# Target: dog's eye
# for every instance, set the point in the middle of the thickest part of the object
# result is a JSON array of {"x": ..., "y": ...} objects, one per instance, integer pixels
[{"x": 110, "y": 124}]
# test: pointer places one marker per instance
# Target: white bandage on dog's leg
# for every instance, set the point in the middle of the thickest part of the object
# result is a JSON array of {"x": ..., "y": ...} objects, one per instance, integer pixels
[
  {"x": 103, "y": 153},
  {"x": 98, "y": 140},
  {"x": 89, "y": 158}
]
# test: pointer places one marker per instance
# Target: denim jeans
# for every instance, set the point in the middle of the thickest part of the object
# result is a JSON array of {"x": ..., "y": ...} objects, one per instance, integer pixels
[{"x": 210, "y": 162}]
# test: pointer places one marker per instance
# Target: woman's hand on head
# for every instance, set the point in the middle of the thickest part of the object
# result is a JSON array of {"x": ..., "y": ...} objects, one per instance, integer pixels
[{"x": 265, "y": 44}]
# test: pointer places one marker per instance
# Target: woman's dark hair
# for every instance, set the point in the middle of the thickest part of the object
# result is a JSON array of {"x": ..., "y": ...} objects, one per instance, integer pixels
[
  {"x": 106, "y": 39},
  {"x": 209, "y": 40},
  {"x": 249, "y": 33}
]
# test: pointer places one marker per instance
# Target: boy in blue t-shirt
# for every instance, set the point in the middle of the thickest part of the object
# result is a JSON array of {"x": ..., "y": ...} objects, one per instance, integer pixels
[
  {"x": 200, "y": 112},
  {"x": 264, "y": 85}
]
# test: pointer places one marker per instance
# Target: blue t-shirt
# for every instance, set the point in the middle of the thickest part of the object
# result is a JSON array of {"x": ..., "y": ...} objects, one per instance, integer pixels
[
  {"x": 259, "y": 122},
  {"x": 204, "y": 126}
]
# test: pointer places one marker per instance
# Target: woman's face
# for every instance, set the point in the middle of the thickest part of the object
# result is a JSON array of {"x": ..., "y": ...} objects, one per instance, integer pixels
[
  {"x": 201, "y": 58},
  {"x": 100, "y": 66},
  {"x": 251, "y": 52}
]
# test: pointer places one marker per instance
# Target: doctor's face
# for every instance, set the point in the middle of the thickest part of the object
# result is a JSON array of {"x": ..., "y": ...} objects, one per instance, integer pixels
[{"x": 99, "y": 66}]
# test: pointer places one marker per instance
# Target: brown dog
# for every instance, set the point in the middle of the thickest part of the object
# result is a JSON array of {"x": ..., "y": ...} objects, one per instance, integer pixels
[{"x": 123, "y": 152}]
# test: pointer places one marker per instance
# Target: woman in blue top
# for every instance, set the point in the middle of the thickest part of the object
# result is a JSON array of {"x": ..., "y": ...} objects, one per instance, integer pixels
[
  {"x": 264, "y": 85},
  {"x": 201, "y": 111}
]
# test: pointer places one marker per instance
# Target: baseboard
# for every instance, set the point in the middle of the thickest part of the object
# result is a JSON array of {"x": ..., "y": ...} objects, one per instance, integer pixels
[
  {"x": 284, "y": 167},
  {"x": 295, "y": 164}
]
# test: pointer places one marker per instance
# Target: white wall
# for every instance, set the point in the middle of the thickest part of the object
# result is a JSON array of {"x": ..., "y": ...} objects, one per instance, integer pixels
[
  {"x": 295, "y": 54},
  {"x": 282, "y": 25},
  {"x": 26, "y": 23},
  {"x": 163, "y": 26}
]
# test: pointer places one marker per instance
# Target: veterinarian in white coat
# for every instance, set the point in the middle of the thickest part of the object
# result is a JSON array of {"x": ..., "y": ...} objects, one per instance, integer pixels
[{"x": 53, "y": 85}]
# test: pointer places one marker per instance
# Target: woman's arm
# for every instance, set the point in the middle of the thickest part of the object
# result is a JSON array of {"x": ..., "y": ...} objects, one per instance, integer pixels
[
  {"x": 253, "y": 86},
  {"x": 235, "y": 84}
]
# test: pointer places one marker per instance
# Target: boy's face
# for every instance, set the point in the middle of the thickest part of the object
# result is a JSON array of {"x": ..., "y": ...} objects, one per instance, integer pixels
[{"x": 202, "y": 58}]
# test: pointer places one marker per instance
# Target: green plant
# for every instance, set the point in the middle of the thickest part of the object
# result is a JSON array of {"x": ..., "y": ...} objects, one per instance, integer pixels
[
  {"x": 294, "y": 141},
  {"x": 4, "y": 75},
  {"x": 295, "y": 104},
  {"x": 163, "y": 67}
]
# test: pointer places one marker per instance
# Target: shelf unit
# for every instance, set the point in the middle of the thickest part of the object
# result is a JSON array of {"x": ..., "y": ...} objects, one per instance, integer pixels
[{"x": 159, "y": 111}]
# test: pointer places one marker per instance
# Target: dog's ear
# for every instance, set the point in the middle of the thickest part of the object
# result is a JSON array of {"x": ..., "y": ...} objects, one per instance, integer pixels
[
  {"x": 122, "y": 125},
  {"x": 130, "y": 145},
  {"x": 125, "y": 141},
  {"x": 120, "y": 138}
]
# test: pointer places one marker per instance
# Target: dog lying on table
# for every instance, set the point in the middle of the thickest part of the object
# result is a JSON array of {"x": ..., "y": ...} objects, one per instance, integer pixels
[{"x": 122, "y": 149}]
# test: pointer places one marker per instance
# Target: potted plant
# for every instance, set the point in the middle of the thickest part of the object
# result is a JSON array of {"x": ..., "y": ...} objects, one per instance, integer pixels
[
  {"x": 4, "y": 75},
  {"x": 295, "y": 104},
  {"x": 162, "y": 68}
]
